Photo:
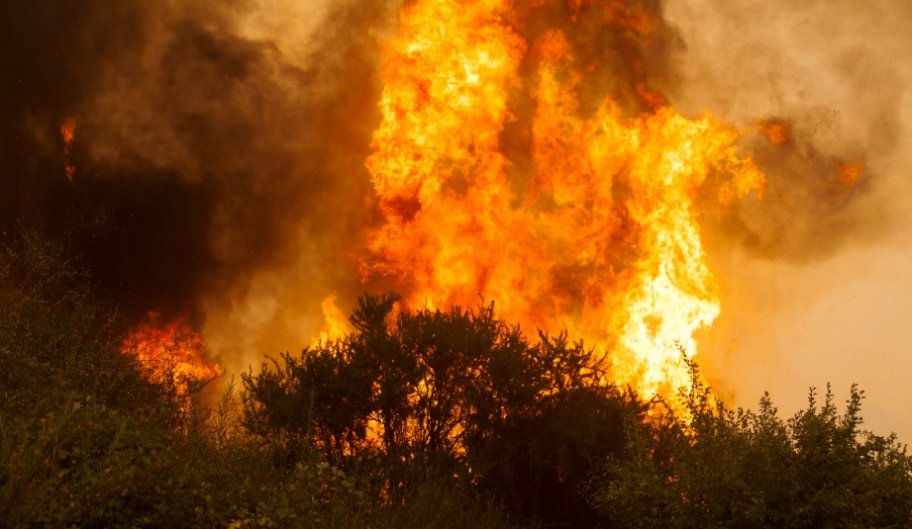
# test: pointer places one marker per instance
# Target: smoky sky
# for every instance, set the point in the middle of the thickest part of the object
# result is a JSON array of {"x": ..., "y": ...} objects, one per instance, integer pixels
[
  {"x": 819, "y": 291},
  {"x": 198, "y": 148},
  {"x": 829, "y": 72}
]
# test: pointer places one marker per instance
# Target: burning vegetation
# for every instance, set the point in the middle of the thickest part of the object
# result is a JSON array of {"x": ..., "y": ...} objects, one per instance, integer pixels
[
  {"x": 517, "y": 172},
  {"x": 521, "y": 153},
  {"x": 68, "y": 134},
  {"x": 172, "y": 353},
  {"x": 591, "y": 224}
]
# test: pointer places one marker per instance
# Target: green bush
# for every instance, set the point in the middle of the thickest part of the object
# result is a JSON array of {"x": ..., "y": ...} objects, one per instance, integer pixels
[
  {"x": 54, "y": 335},
  {"x": 720, "y": 468}
]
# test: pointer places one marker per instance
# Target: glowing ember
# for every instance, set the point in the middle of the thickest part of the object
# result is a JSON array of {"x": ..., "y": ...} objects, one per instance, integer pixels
[
  {"x": 171, "y": 354},
  {"x": 776, "y": 131},
  {"x": 849, "y": 173},
  {"x": 68, "y": 134},
  {"x": 600, "y": 236}
]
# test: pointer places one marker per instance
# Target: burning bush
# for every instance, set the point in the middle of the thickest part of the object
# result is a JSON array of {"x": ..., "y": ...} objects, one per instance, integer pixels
[
  {"x": 172, "y": 354},
  {"x": 459, "y": 395}
]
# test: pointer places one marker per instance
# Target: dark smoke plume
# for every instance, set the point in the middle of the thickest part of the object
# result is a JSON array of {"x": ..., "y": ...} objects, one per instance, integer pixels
[{"x": 211, "y": 153}]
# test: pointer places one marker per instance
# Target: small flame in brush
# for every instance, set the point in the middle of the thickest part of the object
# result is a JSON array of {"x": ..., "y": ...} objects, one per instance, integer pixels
[{"x": 68, "y": 134}]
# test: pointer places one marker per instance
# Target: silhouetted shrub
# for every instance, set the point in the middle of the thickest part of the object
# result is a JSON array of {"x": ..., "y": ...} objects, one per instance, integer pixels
[
  {"x": 716, "y": 467},
  {"x": 456, "y": 397}
]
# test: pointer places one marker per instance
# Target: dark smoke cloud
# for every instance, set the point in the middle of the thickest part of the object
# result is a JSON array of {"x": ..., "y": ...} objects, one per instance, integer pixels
[
  {"x": 808, "y": 209},
  {"x": 213, "y": 153}
]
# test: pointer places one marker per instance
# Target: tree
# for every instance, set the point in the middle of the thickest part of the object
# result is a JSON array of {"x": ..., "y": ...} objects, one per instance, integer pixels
[
  {"x": 456, "y": 395},
  {"x": 723, "y": 468}
]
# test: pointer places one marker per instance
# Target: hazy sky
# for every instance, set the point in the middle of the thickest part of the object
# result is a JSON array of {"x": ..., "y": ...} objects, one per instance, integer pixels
[{"x": 841, "y": 71}]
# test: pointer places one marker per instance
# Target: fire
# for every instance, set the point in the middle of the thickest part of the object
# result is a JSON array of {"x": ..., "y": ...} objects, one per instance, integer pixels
[
  {"x": 337, "y": 325},
  {"x": 68, "y": 134},
  {"x": 776, "y": 131},
  {"x": 597, "y": 232},
  {"x": 849, "y": 173},
  {"x": 172, "y": 354}
]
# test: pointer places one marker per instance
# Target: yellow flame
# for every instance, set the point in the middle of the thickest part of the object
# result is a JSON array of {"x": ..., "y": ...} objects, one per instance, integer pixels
[
  {"x": 337, "y": 325},
  {"x": 598, "y": 234}
]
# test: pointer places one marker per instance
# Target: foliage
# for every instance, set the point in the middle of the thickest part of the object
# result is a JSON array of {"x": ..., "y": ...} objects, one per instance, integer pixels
[
  {"x": 87, "y": 466},
  {"x": 53, "y": 334},
  {"x": 436, "y": 419},
  {"x": 87, "y": 441},
  {"x": 719, "y": 467},
  {"x": 458, "y": 394}
]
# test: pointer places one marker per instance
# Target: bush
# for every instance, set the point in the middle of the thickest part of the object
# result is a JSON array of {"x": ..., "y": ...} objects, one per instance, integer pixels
[
  {"x": 456, "y": 397},
  {"x": 417, "y": 419},
  {"x": 54, "y": 335},
  {"x": 87, "y": 441},
  {"x": 718, "y": 467}
]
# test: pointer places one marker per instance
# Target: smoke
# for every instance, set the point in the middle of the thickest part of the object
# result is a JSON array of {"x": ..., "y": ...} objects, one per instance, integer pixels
[
  {"x": 223, "y": 143},
  {"x": 818, "y": 289},
  {"x": 828, "y": 74}
]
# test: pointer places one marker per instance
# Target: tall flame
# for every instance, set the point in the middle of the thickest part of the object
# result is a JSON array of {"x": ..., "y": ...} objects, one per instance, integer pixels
[
  {"x": 597, "y": 232},
  {"x": 337, "y": 325}
]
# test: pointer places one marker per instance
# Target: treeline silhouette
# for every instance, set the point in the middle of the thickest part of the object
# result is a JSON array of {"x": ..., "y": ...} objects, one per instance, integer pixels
[{"x": 423, "y": 418}]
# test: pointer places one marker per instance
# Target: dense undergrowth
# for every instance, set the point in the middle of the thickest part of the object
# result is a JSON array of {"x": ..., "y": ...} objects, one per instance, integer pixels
[{"x": 417, "y": 419}]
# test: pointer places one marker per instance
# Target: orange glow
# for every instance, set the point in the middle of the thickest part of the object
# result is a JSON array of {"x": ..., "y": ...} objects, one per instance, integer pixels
[
  {"x": 68, "y": 134},
  {"x": 603, "y": 240},
  {"x": 849, "y": 173},
  {"x": 172, "y": 354},
  {"x": 776, "y": 131}
]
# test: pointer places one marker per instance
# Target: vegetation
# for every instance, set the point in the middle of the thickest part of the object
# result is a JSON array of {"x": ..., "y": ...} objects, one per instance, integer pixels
[
  {"x": 458, "y": 397},
  {"x": 736, "y": 468},
  {"x": 417, "y": 419}
]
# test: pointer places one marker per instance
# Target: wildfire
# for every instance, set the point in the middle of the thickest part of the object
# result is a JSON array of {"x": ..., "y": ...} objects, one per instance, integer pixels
[
  {"x": 776, "y": 131},
  {"x": 337, "y": 325},
  {"x": 593, "y": 228},
  {"x": 850, "y": 173},
  {"x": 68, "y": 134},
  {"x": 172, "y": 354}
]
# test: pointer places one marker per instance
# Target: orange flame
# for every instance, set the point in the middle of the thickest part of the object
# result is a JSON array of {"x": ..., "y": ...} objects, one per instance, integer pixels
[
  {"x": 850, "y": 173},
  {"x": 599, "y": 235},
  {"x": 336, "y": 322},
  {"x": 68, "y": 134},
  {"x": 172, "y": 354}
]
